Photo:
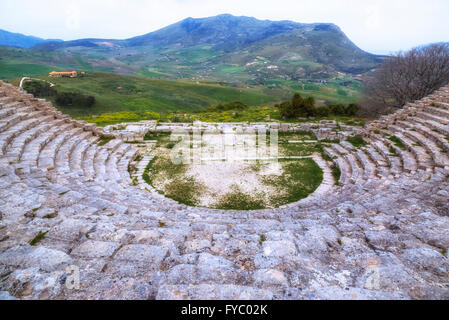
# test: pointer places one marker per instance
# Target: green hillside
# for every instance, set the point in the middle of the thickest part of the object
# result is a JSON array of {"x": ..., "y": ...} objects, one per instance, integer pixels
[
  {"x": 119, "y": 93},
  {"x": 122, "y": 98}
]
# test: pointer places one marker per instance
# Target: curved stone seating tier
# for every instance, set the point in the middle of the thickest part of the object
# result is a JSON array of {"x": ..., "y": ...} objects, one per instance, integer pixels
[
  {"x": 388, "y": 216},
  {"x": 434, "y": 135},
  {"x": 78, "y": 155}
]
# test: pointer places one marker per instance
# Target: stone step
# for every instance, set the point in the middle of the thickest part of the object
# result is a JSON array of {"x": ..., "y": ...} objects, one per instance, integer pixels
[
  {"x": 17, "y": 145},
  {"x": 369, "y": 168},
  {"x": 393, "y": 162},
  {"x": 32, "y": 150},
  {"x": 432, "y": 125},
  {"x": 47, "y": 156},
  {"x": 413, "y": 156},
  {"x": 342, "y": 164},
  {"x": 356, "y": 167},
  {"x": 440, "y": 112},
  {"x": 432, "y": 117},
  {"x": 442, "y": 105},
  {"x": 15, "y": 130},
  {"x": 78, "y": 154},
  {"x": 440, "y": 159},
  {"x": 62, "y": 158},
  {"x": 432, "y": 134}
]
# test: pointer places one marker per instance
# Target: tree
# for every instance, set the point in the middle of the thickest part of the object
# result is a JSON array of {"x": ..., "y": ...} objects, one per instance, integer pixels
[
  {"x": 337, "y": 109},
  {"x": 352, "y": 109},
  {"x": 67, "y": 99},
  {"x": 406, "y": 77},
  {"x": 309, "y": 106},
  {"x": 39, "y": 89},
  {"x": 286, "y": 110},
  {"x": 297, "y": 107}
]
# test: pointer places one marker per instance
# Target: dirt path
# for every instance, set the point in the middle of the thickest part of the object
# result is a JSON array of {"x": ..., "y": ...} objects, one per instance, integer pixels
[{"x": 28, "y": 78}]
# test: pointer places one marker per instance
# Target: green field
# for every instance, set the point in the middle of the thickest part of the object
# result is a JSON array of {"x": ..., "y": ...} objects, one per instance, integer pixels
[
  {"x": 14, "y": 70},
  {"x": 124, "y": 98},
  {"x": 173, "y": 82},
  {"x": 118, "y": 93}
]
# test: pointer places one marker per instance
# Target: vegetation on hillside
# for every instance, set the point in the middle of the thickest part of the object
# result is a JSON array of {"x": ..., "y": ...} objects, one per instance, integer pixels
[
  {"x": 118, "y": 93},
  {"x": 305, "y": 107},
  {"x": 42, "y": 89},
  {"x": 406, "y": 77}
]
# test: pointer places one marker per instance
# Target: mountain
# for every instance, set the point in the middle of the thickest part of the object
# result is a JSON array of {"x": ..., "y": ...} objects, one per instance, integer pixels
[
  {"x": 18, "y": 40},
  {"x": 294, "y": 50},
  {"x": 315, "y": 58},
  {"x": 223, "y": 32}
]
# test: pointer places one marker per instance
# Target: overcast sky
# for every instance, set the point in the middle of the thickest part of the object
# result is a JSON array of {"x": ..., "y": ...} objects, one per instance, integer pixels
[{"x": 377, "y": 26}]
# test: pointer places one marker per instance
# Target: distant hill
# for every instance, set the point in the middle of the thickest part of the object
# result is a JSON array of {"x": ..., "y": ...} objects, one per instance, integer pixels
[
  {"x": 226, "y": 42},
  {"x": 223, "y": 32},
  {"x": 225, "y": 49},
  {"x": 18, "y": 40}
]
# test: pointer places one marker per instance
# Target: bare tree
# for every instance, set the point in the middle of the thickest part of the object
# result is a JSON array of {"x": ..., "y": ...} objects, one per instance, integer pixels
[{"x": 406, "y": 77}]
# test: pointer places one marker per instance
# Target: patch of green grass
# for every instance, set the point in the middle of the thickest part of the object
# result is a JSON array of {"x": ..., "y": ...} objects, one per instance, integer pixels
[
  {"x": 237, "y": 200},
  {"x": 184, "y": 190},
  {"x": 51, "y": 215},
  {"x": 300, "y": 178},
  {"x": 104, "y": 140},
  {"x": 262, "y": 239},
  {"x": 357, "y": 141},
  {"x": 393, "y": 152},
  {"x": 13, "y": 70},
  {"x": 325, "y": 156},
  {"x": 336, "y": 173},
  {"x": 398, "y": 143},
  {"x": 38, "y": 238}
]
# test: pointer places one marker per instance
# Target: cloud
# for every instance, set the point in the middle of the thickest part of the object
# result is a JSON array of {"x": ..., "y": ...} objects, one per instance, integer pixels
[
  {"x": 73, "y": 14},
  {"x": 372, "y": 21}
]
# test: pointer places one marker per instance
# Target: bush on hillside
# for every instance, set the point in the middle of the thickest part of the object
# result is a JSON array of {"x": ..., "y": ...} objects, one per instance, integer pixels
[
  {"x": 305, "y": 107},
  {"x": 228, "y": 106},
  {"x": 39, "y": 89},
  {"x": 68, "y": 99}
]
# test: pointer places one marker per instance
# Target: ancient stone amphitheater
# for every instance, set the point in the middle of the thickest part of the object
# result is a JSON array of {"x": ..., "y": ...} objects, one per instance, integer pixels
[{"x": 383, "y": 233}]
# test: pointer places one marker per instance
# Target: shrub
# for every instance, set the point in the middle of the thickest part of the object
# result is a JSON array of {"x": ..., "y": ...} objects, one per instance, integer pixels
[
  {"x": 286, "y": 110},
  {"x": 337, "y": 109},
  {"x": 297, "y": 107},
  {"x": 323, "y": 111},
  {"x": 228, "y": 106},
  {"x": 305, "y": 107},
  {"x": 352, "y": 109},
  {"x": 66, "y": 99},
  {"x": 39, "y": 89}
]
